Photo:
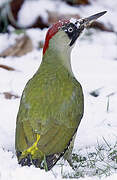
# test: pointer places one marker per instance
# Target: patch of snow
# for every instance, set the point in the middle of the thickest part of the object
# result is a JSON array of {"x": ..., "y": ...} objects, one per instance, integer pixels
[
  {"x": 36, "y": 35},
  {"x": 6, "y": 41},
  {"x": 2, "y": 2},
  {"x": 38, "y": 8},
  {"x": 31, "y": 10}
]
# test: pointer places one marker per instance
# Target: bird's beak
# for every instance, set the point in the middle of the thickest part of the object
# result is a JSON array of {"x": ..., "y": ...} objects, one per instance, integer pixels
[
  {"x": 87, "y": 21},
  {"x": 83, "y": 23}
]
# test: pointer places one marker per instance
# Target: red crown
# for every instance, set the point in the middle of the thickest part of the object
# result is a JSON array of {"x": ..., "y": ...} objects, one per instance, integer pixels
[{"x": 52, "y": 31}]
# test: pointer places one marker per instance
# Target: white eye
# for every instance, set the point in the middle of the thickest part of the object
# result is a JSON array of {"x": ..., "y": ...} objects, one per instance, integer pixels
[{"x": 70, "y": 29}]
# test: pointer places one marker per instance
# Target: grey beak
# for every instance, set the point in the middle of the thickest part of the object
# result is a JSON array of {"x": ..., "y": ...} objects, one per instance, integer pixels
[
  {"x": 84, "y": 23},
  {"x": 87, "y": 21}
]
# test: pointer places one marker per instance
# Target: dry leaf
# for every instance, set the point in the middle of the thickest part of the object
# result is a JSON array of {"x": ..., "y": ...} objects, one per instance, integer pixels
[
  {"x": 7, "y": 67},
  {"x": 9, "y": 95},
  {"x": 21, "y": 47}
]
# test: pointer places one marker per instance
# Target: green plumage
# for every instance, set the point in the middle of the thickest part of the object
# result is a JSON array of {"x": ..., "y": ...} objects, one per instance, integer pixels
[{"x": 51, "y": 106}]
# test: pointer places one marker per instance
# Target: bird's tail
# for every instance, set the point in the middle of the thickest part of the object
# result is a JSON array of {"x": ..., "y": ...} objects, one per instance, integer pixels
[
  {"x": 51, "y": 160},
  {"x": 46, "y": 163}
]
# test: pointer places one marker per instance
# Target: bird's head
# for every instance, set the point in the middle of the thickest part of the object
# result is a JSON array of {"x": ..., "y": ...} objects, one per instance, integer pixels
[{"x": 65, "y": 32}]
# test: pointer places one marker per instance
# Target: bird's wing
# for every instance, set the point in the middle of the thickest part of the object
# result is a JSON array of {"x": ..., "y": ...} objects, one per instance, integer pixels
[{"x": 54, "y": 119}]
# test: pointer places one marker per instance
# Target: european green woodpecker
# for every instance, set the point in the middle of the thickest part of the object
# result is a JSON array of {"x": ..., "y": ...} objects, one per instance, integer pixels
[{"x": 52, "y": 102}]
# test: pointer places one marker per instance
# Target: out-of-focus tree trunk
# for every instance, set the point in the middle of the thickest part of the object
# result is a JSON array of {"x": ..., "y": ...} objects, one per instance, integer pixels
[
  {"x": 77, "y": 2},
  {"x": 15, "y": 7}
]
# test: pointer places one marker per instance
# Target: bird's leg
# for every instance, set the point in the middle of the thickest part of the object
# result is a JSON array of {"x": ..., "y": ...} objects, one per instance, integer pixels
[
  {"x": 68, "y": 154},
  {"x": 27, "y": 156}
]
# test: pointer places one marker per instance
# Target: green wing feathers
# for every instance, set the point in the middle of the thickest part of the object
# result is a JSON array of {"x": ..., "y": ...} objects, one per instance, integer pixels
[{"x": 49, "y": 114}]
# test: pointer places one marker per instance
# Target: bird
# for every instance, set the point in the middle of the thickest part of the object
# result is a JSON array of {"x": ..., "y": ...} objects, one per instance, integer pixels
[{"x": 52, "y": 103}]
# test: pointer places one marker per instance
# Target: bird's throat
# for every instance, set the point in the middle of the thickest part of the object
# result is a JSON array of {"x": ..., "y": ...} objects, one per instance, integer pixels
[
  {"x": 59, "y": 61},
  {"x": 58, "y": 54}
]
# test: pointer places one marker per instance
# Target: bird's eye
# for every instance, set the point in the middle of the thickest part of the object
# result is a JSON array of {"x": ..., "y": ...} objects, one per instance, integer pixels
[{"x": 70, "y": 29}]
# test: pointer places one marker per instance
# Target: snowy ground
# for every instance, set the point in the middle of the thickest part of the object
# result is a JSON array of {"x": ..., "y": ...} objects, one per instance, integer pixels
[{"x": 94, "y": 63}]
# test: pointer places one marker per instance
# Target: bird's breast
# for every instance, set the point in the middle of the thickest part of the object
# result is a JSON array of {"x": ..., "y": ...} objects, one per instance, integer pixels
[{"x": 58, "y": 99}]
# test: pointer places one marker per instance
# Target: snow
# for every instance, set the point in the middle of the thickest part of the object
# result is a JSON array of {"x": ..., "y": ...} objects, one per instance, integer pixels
[
  {"x": 94, "y": 63},
  {"x": 97, "y": 69},
  {"x": 4, "y": 38},
  {"x": 37, "y": 8},
  {"x": 2, "y": 2}
]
